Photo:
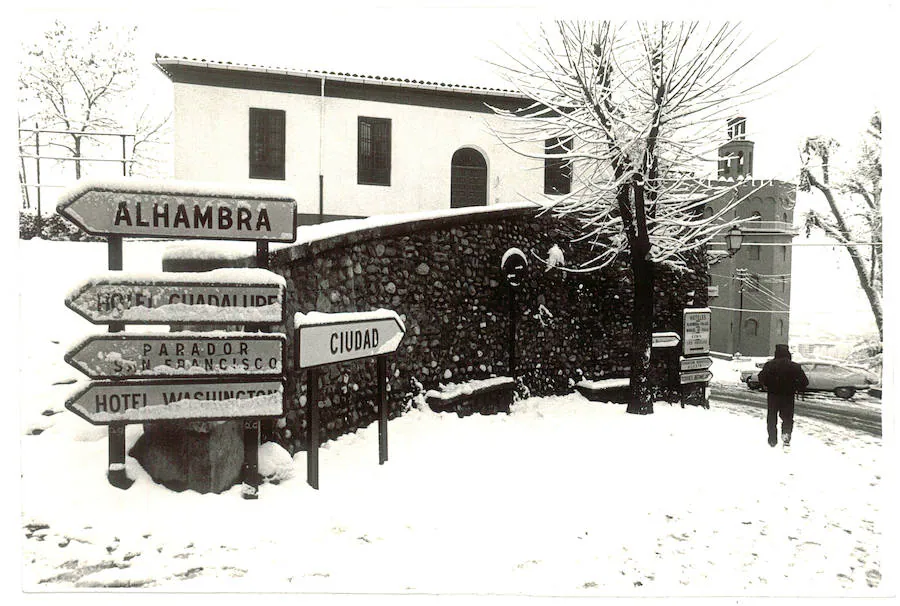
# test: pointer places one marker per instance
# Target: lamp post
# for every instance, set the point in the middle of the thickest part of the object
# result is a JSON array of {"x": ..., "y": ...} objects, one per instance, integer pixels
[
  {"x": 741, "y": 276},
  {"x": 733, "y": 240}
]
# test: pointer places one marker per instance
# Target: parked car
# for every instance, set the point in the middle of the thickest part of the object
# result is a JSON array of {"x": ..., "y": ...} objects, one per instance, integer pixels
[{"x": 841, "y": 379}]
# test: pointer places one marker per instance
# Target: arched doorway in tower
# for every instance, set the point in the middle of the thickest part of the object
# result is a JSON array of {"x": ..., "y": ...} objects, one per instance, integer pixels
[{"x": 468, "y": 178}]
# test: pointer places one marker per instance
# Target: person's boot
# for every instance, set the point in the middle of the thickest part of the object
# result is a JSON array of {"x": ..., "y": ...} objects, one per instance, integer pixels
[
  {"x": 773, "y": 441},
  {"x": 786, "y": 441}
]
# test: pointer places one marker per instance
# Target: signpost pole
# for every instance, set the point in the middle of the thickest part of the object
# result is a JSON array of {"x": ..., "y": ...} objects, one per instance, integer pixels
[
  {"x": 116, "y": 433},
  {"x": 312, "y": 409},
  {"x": 382, "y": 410},
  {"x": 250, "y": 488},
  {"x": 512, "y": 333}
]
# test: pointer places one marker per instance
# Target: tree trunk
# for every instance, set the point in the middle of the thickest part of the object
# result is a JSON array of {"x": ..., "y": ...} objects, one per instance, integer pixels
[
  {"x": 77, "y": 156},
  {"x": 639, "y": 397},
  {"x": 843, "y": 235}
]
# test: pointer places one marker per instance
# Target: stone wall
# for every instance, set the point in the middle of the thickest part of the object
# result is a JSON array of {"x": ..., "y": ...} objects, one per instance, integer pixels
[{"x": 442, "y": 275}]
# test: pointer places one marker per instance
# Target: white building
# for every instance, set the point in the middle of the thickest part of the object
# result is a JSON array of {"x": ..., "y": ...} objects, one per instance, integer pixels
[{"x": 350, "y": 145}]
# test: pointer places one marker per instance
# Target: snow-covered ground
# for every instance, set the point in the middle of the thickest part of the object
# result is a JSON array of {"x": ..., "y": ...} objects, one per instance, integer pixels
[{"x": 561, "y": 497}]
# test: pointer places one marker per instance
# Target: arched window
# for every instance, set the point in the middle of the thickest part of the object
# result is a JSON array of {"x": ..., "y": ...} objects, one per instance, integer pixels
[
  {"x": 750, "y": 327},
  {"x": 707, "y": 212},
  {"x": 780, "y": 328},
  {"x": 757, "y": 216},
  {"x": 468, "y": 178},
  {"x": 784, "y": 253}
]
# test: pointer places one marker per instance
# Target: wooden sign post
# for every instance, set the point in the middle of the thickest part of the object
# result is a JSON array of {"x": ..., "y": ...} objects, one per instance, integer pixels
[
  {"x": 180, "y": 209},
  {"x": 324, "y": 339}
]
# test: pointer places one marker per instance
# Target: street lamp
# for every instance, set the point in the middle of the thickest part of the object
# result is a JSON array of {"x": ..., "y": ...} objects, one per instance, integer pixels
[{"x": 733, "y": 240}]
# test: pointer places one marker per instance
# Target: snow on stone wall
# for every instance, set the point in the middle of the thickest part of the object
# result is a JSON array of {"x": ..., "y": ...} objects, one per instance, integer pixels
[{"x": 443, "y": 276}]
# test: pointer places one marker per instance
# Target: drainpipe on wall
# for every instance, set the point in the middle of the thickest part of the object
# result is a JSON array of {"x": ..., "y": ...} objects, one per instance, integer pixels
[{"x": 321, "y": 137}]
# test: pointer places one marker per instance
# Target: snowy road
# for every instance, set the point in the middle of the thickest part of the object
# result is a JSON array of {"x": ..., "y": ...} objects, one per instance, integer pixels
[{"x": 863, "y": 413}]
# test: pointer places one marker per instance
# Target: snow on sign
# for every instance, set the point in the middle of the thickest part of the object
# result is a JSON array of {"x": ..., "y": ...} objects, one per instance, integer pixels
[
  {"x": 140, "y": 355},
  {"x": 180, "y": 209},
  {"x": 697, "y": 323},
  {"x": 107, "y": 402},
  {"x": 221, "y": 296},
  {"x": 665, "y": 339},
  {"x": 327, "y": 338},
  {"x": 700, "y": 376},
  {"x": 698, "y": 363}
]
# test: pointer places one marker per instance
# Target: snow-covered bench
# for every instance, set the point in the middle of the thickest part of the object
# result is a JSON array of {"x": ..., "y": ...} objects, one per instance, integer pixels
[
  {"x": 604, "y": 390},
  {"x": 484, "y": 396}
]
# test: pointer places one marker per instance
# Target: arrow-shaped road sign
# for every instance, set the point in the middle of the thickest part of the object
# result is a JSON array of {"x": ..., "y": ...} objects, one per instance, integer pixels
[
  {"x": 221, "y": 296},
  {"x": 328, "y": 338},
  {"x": 698, "y": 363},
  {"x": 181, "y": 209},
  {"x": 700, "y": 376},
  {"x": 147, "y": 355},
  {"x": 666, "y": 339},
  {"x": 107, "y": 402}
]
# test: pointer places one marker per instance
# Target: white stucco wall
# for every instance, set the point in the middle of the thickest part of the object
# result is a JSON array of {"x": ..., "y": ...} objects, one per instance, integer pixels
[{"x": 211, "y": 144}]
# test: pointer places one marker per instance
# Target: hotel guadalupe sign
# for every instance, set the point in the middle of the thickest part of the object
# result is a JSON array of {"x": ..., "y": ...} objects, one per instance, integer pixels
[
  {"x": 180, "y": 209},
  {"x": 222, "y": 296}
]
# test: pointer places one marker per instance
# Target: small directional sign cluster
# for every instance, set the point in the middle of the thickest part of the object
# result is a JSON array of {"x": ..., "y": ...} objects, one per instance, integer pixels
[{"x": 696, "y": 362}]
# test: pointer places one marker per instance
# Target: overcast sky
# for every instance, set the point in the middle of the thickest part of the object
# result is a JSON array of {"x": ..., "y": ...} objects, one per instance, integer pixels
[{"x": 833, "y": 92}]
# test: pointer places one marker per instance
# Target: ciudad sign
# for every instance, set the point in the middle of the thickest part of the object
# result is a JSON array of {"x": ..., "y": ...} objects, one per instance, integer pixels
[{"x": 325, "y": 338}]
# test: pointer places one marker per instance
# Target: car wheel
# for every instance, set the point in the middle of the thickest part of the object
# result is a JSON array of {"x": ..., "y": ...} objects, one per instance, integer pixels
[{"x": 844, "y": 392}]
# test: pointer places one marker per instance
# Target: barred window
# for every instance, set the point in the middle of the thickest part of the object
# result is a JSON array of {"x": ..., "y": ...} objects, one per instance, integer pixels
[
  {"x": 557, "y": 172},
  {"x": 374, "y": 151},
  {"x": 267, "y": 141}
]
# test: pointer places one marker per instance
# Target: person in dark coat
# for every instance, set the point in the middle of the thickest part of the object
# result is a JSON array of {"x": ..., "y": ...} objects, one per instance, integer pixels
[{"x": 782, "y": 378}]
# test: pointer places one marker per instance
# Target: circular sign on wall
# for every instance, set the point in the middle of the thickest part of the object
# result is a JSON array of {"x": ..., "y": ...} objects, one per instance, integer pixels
[{"x": 514, "y": 265}]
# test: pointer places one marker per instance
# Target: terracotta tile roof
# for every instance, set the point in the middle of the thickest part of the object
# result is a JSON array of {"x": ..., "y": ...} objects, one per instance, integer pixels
[{"x": 162, "y": 61}]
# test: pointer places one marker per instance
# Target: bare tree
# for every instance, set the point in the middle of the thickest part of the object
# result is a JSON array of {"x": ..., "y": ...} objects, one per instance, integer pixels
[
  {"x": 81, "y": 82},
  {"x": 640, "y": 107},
  {"x": 854, "y": 203}
]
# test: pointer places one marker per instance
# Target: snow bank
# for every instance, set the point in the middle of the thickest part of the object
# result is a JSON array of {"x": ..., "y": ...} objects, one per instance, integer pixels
[
  {"x": 450, "y": 391},
  {"x": 317, "y": 318}
]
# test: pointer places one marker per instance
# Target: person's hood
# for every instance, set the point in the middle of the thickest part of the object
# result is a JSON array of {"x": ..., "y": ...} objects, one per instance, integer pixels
[{"x": 782, "y": 351}]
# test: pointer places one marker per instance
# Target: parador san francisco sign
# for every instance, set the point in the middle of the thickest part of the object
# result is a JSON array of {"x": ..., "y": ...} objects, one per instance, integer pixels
[{"x": 176, "y": 209}]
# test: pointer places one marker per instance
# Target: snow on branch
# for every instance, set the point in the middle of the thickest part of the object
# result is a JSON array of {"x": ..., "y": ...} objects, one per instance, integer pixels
[{"x": 642, "y": 105}]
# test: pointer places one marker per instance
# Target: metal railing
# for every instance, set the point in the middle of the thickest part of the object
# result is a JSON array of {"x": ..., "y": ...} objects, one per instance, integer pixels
[{"x": 37, "y": 185}]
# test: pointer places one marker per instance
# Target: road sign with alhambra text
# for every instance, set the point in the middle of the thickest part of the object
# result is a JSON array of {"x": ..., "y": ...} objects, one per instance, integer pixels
[{"x": 180, "y": 209}]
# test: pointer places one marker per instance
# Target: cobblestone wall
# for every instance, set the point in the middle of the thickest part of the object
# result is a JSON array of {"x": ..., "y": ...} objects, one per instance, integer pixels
[{"x": 442, "y": 275}]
